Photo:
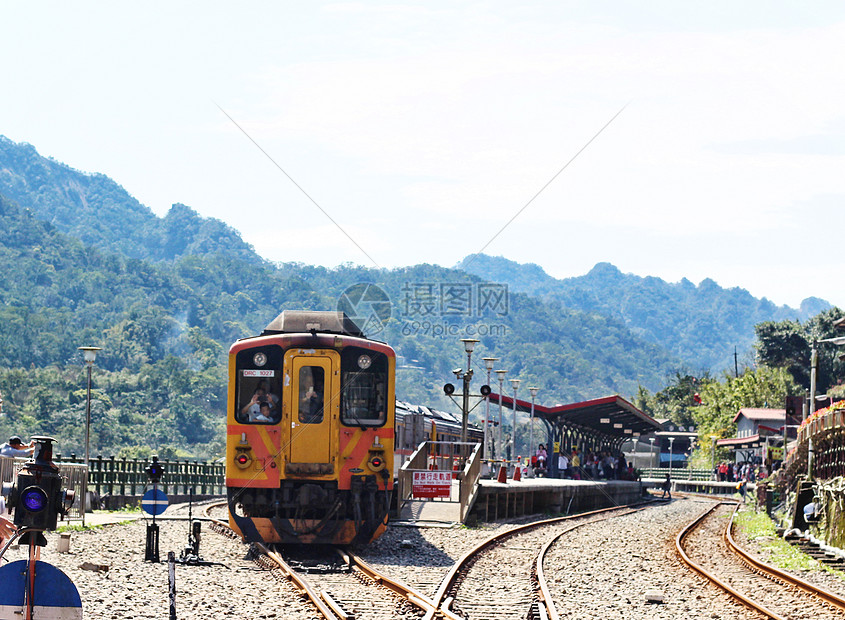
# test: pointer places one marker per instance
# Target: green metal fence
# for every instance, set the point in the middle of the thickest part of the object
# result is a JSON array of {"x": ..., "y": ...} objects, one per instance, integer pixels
[
  {"x": 676, "y": 473},
  {"x": 115, "y": 476}
]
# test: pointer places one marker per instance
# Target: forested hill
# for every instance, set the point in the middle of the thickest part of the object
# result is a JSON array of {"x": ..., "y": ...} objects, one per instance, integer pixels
[
  {"x": 165, "y": 326},
  {"x": 100, "y": 213},
  {"x": 57, "y": 292},
  {"x": 699, "y": 324}
]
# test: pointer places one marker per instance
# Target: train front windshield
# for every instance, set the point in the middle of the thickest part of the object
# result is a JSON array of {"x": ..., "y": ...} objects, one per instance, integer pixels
[
  {"x": 364, "y": 388},
  {"x": 259, "y": 373}
]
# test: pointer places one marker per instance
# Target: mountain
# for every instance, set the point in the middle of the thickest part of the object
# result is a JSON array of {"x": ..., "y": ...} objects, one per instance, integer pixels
[
  {"x": 165, "y": 322},
  {"x": 100, "y": 213},
  {"x": 83, "y": 263},
  {"x": 701, "y": 325}
]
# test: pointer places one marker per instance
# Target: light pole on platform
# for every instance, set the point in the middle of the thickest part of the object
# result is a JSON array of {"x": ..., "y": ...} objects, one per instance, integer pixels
[
  {"x": 469, "y": 345},
  {"x": 501, "y": 374},
  {"x": 515, "y": 386},
  {"x": 533, "y": 391},
  {"x": 651, "y": 450},
  {"x": 488, "y": 362},
  {"x": 671, "y": 440},
  {"x": 89, "y": 354}
]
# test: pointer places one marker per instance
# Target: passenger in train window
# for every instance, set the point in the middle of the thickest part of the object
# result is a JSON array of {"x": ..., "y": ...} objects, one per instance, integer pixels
[
  {"x": 253, "y": 408},
  {"x": 271, "y": 398},
  {"x": 311, "y": 381},
  {"x": 264, "y": 413}
]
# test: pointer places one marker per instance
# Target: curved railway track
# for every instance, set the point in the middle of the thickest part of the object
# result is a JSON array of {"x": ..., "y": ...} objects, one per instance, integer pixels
[
  {"x": 707, "y": 546},
  {"x": 349, "y": 589},
  {"x": 475, "y": 587}
]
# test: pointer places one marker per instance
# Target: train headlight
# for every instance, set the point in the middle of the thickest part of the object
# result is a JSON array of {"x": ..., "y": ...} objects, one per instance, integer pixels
[
  {"x": 242, "y": 457},
  {"x": 364, "y": 362},
  {"x": 376, "y": 462}
]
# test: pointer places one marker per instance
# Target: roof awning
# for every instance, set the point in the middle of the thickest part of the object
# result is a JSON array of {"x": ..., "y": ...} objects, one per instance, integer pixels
[
  {"x": 612, "y": 415},
  {"x": 741, "y": 443}
]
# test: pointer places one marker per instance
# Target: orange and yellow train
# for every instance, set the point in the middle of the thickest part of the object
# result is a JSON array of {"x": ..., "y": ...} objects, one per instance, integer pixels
[{"x": 309, "y": 446}]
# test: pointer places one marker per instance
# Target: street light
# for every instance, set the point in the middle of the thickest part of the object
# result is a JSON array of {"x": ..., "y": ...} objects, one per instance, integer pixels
[
  {"x": 469, "y": 345},
  {"x": 89, "y": 354},
  {"x": 713, "y": 439},
  {"x": 515, "y": 386},
  {"x": 501, "y": 374},
  {"x": 488, "y": 362},
  {"x": 533, "y": 391},
  {"x": 651, "y": 450},
  {"x": 671, "y": 440},
  {"x": 814, "y": 363}
]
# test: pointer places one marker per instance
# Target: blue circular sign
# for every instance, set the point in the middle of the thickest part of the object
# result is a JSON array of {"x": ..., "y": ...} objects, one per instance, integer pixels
[
  {"x": 54, "y": 595},
  {"x": 154, "y": 502}
]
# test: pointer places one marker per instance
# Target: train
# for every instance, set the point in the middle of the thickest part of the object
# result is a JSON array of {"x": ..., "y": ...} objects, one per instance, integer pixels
[{"x": 313, "y": 440}]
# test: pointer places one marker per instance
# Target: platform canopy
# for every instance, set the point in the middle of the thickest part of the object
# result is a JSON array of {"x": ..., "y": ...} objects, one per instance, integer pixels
[
  {"x": 611, "y": 415},
  {"x": 744, "y": 443}
]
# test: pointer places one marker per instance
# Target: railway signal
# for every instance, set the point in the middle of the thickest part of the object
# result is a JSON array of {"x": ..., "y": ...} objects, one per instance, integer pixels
[
  {"x": 154, "y": 502},
  {"x": 30, "y": 587}
]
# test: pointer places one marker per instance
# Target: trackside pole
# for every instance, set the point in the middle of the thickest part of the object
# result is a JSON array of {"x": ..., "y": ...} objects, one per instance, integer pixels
[
  {"x": 29, "y": 595},
  {"x": 171, "y": 580}
]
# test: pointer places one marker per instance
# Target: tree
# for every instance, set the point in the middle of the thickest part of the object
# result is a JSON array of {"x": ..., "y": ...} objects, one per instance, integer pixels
[
  {"x": 721, "y": 401},
  {"x": 787, "y": 344},
  {"x": 679, "y": 400}
]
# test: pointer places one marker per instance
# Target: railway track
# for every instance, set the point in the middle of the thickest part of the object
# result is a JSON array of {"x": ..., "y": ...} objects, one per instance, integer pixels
[
  {"x": 339, "y": 584},
  {"x": 476, "y": 588},
  {"x": 707, "y": 546}
]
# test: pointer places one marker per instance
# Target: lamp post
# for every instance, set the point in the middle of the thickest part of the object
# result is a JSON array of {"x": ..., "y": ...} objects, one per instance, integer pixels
[
  {"x": 89, "y": 354},
  {"x": 488, "y": 362},
  {"x": 515, "y": 386},
  {"x": 713, "y": 455},
  {"x": 469, "y": 345},
  {"x": 814, "y": 364},
  {"x": 533, "y": 391},
  {"x": 651, "y": 450},
  {"x": 501, "y": 374},
  {"x": 671, "y": 440}
]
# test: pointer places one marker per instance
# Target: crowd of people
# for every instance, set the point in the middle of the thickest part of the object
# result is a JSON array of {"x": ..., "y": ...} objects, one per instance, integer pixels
[
  {"x": 590, "y": 466},
  {"x": 738, "y": 472}
]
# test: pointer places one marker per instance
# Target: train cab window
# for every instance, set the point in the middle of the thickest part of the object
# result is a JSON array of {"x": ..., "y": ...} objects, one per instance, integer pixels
[
  {"x": 258, "y": 373},
  {"x": 312, "y": 386},
  {"x": 364, "y": 387}
]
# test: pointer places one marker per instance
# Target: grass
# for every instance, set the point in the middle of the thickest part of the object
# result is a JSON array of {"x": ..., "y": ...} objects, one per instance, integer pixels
[
  {"x": 758, "y": 527},
  {"x": 78, "y": 528}
]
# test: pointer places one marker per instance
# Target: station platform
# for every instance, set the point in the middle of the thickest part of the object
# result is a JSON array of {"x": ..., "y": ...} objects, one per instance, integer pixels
[{"x": 506, "y": 500}]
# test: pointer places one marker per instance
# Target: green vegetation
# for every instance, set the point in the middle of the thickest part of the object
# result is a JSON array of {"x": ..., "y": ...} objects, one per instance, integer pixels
[
  {"x": 78, "y": 528},
  {"x": 759, "y": 528}
]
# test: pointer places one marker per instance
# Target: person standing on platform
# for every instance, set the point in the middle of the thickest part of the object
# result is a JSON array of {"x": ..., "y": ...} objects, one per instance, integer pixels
[
  {"x": 563, "y": 465},
  {"x": 667, "y": 488}
]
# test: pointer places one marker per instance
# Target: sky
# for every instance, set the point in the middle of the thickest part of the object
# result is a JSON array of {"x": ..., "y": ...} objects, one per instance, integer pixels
[{"x": 673, "y": 139}]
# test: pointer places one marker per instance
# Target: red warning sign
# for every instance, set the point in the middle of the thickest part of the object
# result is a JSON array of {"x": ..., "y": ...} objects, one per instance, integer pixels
[{"x": 432, "y": 484}]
